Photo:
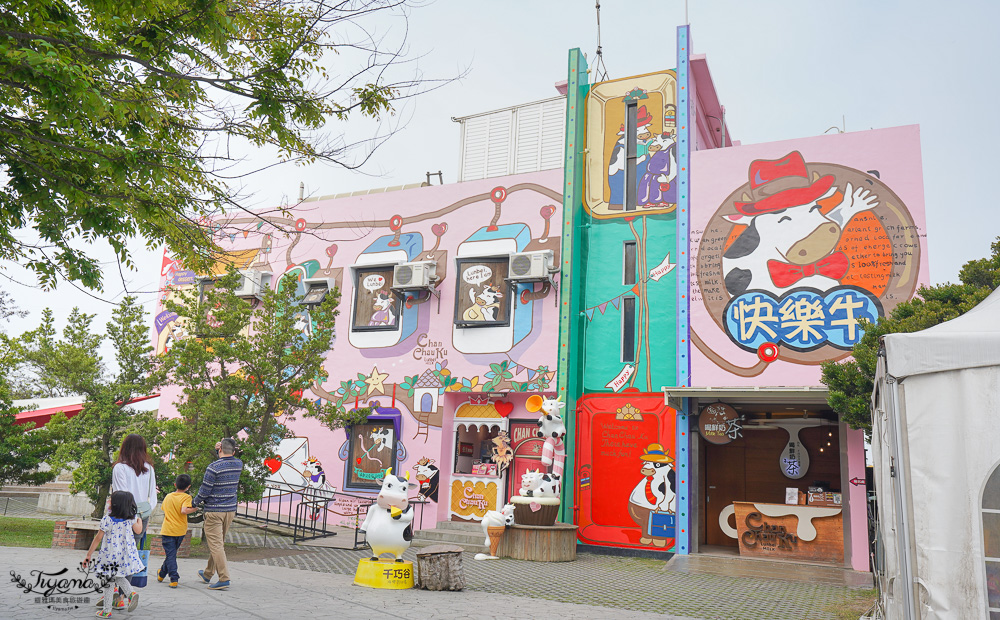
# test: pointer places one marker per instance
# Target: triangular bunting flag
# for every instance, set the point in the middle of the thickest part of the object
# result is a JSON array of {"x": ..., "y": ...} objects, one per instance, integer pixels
[
  {"x": 602, "y": 307},
  {"x": 245, "y": 233},
  {"x": 552, "y": 375},
  {"x": 232, "y": 237},
  {"x": 635, "y": 289},
  {"x": 616, "y": 301},
  {"x": 531, "y": 374},
  {"x": 590, "y": 314}
]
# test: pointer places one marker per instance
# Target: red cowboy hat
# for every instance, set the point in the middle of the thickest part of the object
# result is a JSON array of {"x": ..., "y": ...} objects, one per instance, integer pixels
[{"x": 777, "y": 184}]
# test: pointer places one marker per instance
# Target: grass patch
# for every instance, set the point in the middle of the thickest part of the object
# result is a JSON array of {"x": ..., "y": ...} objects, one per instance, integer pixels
[
  {"x": 858, "y": 603},
  {"x": 18, "y": 532}
]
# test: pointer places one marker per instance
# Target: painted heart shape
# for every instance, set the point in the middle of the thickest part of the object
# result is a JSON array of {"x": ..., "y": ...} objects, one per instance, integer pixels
[
  {"x": 504, "y": 409},
  {"x": 439, "y": 229},
  {"x": 273, "y": 464}
]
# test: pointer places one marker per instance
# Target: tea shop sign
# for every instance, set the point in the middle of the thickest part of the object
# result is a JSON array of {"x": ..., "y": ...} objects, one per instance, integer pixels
[{"x": 720, "y": 424}]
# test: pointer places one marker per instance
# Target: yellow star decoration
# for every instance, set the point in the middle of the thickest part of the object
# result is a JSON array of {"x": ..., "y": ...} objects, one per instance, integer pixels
[{"x": 375, "y": 381}]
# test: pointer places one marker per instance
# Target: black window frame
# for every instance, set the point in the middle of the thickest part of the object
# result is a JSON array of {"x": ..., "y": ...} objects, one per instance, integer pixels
[
  {"x": 397, "y": 307},
  {"x": 508, "y": 291}
]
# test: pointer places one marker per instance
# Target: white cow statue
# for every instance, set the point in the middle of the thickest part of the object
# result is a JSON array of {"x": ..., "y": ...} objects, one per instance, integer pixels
[
  {"x": 388, "y": 525},
  {"x": 539, "y": 484},
  {"x": 495, "y": 518}
]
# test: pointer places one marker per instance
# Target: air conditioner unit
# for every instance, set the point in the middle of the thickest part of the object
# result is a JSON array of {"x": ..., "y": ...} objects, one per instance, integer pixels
[
  {"x": 416, "y": 275},
  {"x": 316, "y": 290},
  {"x": 252, "y": 283},
  {"x": 531, "y": 265}
]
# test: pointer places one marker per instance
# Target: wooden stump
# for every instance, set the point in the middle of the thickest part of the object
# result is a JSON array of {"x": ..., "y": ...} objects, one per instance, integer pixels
[
  {"x": 439, "y": 567},
  {"x": 555, "y": 543}
]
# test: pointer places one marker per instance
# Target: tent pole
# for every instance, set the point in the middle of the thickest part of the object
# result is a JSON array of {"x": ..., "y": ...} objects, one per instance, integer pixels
[{"x": 901, "y": 473}]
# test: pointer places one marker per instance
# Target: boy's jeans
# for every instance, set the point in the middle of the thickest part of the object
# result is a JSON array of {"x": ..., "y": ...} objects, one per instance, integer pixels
[{"x": 170, "y": 546}]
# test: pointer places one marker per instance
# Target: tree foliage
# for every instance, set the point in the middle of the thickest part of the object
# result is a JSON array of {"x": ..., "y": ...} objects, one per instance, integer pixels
[
  {"x": 87, "y": 444},
  {"x": 116, "y": 116},
  {"x": 851, "y": 382},
  {"x": 245, "y": 373},
  {"x": 23, "y": 448}
]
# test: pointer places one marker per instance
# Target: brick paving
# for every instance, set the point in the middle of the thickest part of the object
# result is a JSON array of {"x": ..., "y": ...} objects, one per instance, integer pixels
[
  {"x": 608, "y": 586},
  {"x": 636, "y": 584}
]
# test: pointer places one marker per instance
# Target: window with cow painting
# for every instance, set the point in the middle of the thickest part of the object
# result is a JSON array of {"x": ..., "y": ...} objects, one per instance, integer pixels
[
  {"x": 371, "y": 451},
  {"x": 376, "y": 306},
  {"x": 482, "y": 298}
]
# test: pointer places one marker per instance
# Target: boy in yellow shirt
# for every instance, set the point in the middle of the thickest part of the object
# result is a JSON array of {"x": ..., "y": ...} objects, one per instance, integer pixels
[{"x": 176, "y": 508}]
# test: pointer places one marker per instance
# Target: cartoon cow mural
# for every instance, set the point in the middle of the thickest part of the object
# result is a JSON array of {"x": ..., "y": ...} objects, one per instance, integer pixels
[
  {"x": 792, "y": 230},
  {"x": 427, "y": 478},
  {"x": 654, "y": 494},
  {"x": 388, "y": 524}
]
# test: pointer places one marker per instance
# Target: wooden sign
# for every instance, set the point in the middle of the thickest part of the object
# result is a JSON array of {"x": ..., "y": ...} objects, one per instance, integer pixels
[
  {"x": 790, "y": 532},
  {"x": 472, "y": 500},
  {"x": 720, "y": 424}
]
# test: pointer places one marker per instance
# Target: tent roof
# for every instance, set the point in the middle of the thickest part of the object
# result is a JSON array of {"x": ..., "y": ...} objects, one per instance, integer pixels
[{"x": 968, "y": 341}]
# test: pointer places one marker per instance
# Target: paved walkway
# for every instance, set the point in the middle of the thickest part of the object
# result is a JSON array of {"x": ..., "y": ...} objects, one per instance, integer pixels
[{"x": 269, "y": 592}]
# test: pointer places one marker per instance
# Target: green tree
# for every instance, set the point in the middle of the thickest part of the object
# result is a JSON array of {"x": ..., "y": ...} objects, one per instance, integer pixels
[
  {"x": 23, "y": 448},
  {"x": 117, "y": 115},
  {"x": 245, "y": 373},
  {"x": 851, "y": 381},
  {"x": 87, "y": 444}
]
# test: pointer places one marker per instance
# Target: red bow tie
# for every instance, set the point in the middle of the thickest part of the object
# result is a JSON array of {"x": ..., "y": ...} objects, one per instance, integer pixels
[{"x": 785, "y": 274}]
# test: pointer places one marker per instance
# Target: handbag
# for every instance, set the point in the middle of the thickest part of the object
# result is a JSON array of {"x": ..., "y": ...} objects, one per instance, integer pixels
[
  {"x": 138, "y": 580},
  {"x": 661, "y": 524},
  {"x": 144, "y": 509}
]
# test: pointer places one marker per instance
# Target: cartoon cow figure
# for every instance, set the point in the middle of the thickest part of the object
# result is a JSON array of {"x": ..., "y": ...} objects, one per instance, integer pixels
[
  {"x": 494, "y": 518},
  {"x": 792, "y": 231},
  {"x": 382, "y": 439},
  {"x": 539, "y": 484},
  {"x": 552, "y": 428},
  {"x": 383, "y": 314},
  {"x": 315, "y": 478},
  {"x": 655, "y": 492},
  {"x": 427, "y": 478},
  {"x": 484, "y": 305},
  {"x": 388, "y": 524}
]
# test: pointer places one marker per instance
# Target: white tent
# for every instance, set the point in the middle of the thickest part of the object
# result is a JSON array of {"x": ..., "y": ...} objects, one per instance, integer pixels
[{"x": 936, "y": 448}]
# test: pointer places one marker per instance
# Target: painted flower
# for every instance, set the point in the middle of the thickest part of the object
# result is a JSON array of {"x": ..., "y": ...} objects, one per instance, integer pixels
[{"x": 470, "y": 385}]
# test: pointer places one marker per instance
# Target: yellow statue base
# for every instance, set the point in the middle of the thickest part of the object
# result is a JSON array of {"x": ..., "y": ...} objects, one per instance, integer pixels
[{"x": 384, "y": 574}]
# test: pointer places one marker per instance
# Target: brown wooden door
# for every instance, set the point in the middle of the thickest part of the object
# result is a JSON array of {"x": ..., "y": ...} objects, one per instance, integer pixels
[{"x": 725, "y": 483}]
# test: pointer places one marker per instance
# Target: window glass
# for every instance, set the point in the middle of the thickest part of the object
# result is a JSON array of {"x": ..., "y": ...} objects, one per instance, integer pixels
[
  {"x": 483, "y": 297},
  {"x": 628, "y": 329},
  {"x": 474, "y": 451},
  {"x": 630, "y": 268},
  {"x": 372, "y": 450},
  {"x": 376, "y": 307}
]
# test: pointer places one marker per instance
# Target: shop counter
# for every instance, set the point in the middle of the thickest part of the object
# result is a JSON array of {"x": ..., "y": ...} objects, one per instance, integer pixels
[{"x": 788, "y": 531}]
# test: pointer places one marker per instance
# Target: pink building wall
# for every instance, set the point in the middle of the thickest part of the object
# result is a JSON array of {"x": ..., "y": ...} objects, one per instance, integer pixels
[{"x": 331, "y": 238}]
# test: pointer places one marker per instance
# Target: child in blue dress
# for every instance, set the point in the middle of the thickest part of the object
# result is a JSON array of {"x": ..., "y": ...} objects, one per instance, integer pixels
[{"x": 118, "y": 556}]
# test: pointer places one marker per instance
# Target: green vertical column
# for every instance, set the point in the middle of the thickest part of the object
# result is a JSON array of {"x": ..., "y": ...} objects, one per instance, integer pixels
[{"x": 571, "y": 284}]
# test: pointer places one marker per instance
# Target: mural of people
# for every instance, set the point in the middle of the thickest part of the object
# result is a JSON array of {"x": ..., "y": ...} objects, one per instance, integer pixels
[
  {"x": 651, "y": 504},
  {"x": 616, "y": 162}
]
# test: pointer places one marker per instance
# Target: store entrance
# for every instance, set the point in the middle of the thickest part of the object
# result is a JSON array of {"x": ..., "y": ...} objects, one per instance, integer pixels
[{"x": 725, "y": 483}]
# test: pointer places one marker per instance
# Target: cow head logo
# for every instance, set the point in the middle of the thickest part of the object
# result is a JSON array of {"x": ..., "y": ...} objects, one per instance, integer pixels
[{"x": 794, "y": 258}]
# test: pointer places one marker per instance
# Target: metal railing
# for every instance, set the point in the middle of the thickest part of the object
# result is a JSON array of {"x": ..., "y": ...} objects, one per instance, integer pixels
[{"x": 306, "y": 511}]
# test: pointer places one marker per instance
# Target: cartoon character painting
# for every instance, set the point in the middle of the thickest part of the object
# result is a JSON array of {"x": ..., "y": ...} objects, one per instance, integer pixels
[
  {"x": 427, "y": 479},
  {"x": 792, "y": 228},
  {"x": 383, "y": 314},
  {"x": 502, "y": 454},
  {"x": 616, "y": 164},
  {"x": 651, "y": 504},
  {"x": 656, "y": 187},
  {"x": 485, "y": 304},
  {"x": 314, "y": 478}
]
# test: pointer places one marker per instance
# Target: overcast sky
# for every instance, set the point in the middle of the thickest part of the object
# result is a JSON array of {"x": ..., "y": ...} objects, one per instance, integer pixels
[{"x": 783, "y": 69}]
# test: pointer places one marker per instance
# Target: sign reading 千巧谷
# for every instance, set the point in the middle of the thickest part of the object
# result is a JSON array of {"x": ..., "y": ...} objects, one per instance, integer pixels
[{"x": 720, "y": 424}]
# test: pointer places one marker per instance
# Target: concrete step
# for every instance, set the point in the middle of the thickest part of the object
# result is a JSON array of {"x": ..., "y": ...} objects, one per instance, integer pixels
[{"x": 459, "y": 526}]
